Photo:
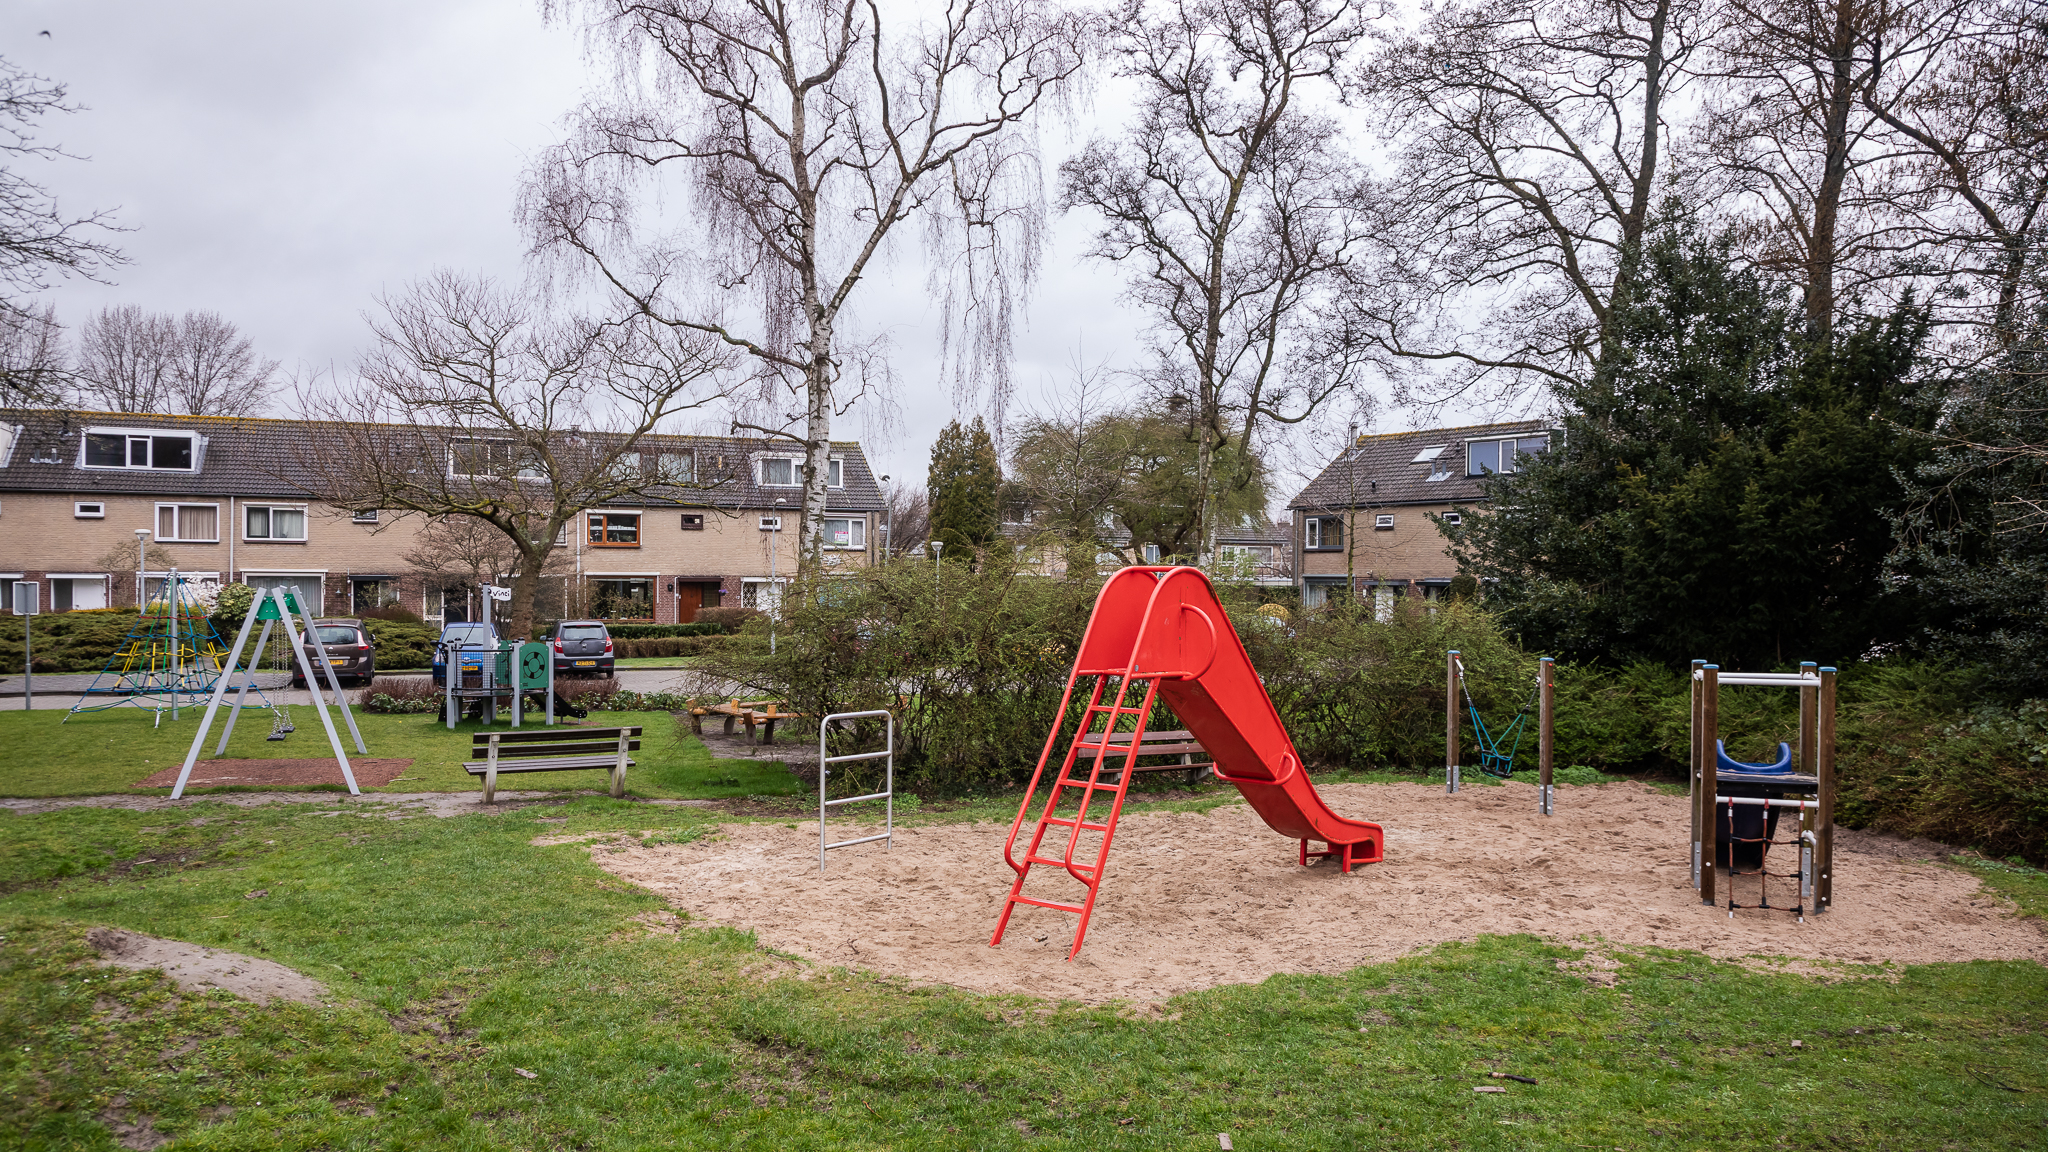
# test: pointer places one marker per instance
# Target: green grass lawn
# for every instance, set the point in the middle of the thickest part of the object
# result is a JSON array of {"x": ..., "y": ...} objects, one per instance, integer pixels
[
  {"x": 656, "y": 662},
  {"x": 462, "y": 954},
  {"x": 98, "y": 752}
]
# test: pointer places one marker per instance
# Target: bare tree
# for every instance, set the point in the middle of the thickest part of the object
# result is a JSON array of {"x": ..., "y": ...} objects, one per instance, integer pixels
[
  {"x": 126, "y": 359},
  {"x": 459, "y": 553},
  {"x": 214, "y": 371},
  {"x": 908, "y": 515},
  {"x": 1232, "y": 201},
  {"x": 1975, "y": 152},
  {"x": 1531, "y": 142},
  {"x": 1795, "y": 126},
  {"x": 473, "y": 405},
  {"x": 38, "y": 241},
  {"x": 33, "y": 359},
  {"x": 805, "y": 131},
  {"x": 1071, "y": 464}
]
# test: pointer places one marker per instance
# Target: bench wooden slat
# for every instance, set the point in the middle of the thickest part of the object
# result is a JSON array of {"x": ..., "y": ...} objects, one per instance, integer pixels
[
  {"x": 559, "y": 764},
  {"x": 546, "y": 735},
  {"x": 578, "y": 748}
]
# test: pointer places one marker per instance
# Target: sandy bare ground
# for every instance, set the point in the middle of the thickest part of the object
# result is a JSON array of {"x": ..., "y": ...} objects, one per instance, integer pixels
[
  {"x": 198, "y": 969},
  {"x": 371, "y": 772},
  {"x": 1196, "y": 900}
]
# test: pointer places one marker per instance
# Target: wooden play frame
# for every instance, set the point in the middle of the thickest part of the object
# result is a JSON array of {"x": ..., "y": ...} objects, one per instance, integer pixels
[
  {"x": 1546, "y": 727},
  {"x": 1814, "y": 756}
]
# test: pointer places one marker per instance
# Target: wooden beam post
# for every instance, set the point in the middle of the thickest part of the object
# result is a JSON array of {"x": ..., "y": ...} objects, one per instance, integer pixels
[
  {"x": 1824, "y": 884},
  {"x": 1451, "y": 722},
  {"x": 1710, "y": 719},
  {"x": 1692, "y": 765},
  {"x": 1546, "y": 730}
]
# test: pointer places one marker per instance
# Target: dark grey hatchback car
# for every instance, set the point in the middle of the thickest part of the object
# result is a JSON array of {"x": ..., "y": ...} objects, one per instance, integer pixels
[{"x": 582, "y": 646}]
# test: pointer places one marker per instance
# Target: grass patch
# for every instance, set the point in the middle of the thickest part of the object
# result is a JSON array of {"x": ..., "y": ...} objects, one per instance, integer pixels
[
  {"x": 641, "y": 1032},
  {"x": 104, "y": 752},
  {"x": 2027, "y": 887}
]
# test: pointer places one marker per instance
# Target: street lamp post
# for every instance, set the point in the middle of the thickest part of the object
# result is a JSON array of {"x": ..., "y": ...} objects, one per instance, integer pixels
[
  {"x": 888, "y": 525},
  {"x": 938, "y": 546}
]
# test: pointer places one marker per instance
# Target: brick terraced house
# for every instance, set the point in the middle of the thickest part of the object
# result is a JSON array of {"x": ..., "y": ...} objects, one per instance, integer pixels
[
  {"x": 231, "y": 500},
  {"x": 1370, "y": 518}
]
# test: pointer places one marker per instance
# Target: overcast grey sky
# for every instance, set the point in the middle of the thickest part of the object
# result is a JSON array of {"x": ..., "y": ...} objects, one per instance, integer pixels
[{"x": 283, "y": 164}]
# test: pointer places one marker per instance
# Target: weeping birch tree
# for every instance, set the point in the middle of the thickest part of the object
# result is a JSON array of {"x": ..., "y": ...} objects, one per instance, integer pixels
[{"x": 800, "y": 134}]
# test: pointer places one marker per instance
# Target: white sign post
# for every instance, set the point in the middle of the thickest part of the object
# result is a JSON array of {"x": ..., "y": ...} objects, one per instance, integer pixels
[{"x": 28, "y": 601}]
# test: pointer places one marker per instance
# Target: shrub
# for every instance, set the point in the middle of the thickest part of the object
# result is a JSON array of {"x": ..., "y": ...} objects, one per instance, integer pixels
[
  {"x": 973, "y": 670},
  {"x": 395, "y": 612},
  {"x": 67, "y": 641},
  {"x": 401, "y": 644},
  {"x": 730, "y": 618},
  {"x": 702, "y": 627}
]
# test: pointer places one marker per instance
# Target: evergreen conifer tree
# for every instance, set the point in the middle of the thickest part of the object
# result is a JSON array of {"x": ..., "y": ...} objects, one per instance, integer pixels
[
  {"x": 1724, "y": 491},
  {"x": 964, "y": 482}
]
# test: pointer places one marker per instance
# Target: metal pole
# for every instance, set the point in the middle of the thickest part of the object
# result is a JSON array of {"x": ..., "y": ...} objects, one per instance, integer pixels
[
  {"x": 1546, "y": 729},
  {"x": 1710, "y": 784},
  {"x": 774, "y": 597},
  {"x": 248, "y": 678},
  {"x": 327, "y": 665},
  {"x": 1809, "y": 700},
  {"x": 1451, "y": 723},
  {"x": 319, "y": 700},
  {"x": 177, "y": 649},
  {"x": 1824, "y": 895},
  {"x": 28, "y": 661}
]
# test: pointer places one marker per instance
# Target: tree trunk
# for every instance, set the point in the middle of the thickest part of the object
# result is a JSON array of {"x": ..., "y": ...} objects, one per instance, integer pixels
[
  {"x": 525, "y": 590},
  {"x": 1821, "y": 250}
]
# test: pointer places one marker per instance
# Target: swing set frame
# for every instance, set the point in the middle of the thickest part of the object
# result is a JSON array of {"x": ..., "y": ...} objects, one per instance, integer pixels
[{"x": 1491, "y": 760}]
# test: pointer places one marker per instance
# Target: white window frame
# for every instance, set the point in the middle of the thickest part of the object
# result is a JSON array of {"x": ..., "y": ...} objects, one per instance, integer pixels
[
  {"x": 857, "y": 532},
  {"x": 306, "y": 523},
  {"x": 99, "y": 510},
  {"x": 1312, "y": 534},
  {"x": 1507, "y": 466},
  {"x": 129, "y": 436},
  {"x": 1383, "y": 522},
  {"x": 524, "y": 473},
  {"x": 771, "y": 523},
  {"x": 179, "y": 518},
  {"x": 1452, "y": 518},
  {"x": 764, "y": 588},
  {"x": 363, "y": 516}
]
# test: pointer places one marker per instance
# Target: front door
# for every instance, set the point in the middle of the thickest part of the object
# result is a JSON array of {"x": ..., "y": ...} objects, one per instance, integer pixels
[{"x": 689, "y": 598}]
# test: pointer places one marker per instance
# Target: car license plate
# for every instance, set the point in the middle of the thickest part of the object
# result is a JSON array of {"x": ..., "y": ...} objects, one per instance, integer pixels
[
  {"x": 337, "y": 661},
  {"x": 586, "y": 663},
  {"x": 472, "y": 667}
]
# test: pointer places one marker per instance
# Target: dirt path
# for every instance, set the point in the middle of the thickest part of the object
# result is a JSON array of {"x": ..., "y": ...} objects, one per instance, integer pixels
[{"x": 1193, "y": 901}]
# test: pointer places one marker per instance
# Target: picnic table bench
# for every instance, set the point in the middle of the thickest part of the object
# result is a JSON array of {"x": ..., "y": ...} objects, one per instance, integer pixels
[
  {"x": 1165, "y": 743},
  {"x": 760, "y": 717},
  {"x": 553, "y": 750}
]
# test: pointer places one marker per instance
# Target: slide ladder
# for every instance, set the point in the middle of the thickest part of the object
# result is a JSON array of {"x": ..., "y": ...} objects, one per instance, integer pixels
[{"x": 1140, "y": 642}]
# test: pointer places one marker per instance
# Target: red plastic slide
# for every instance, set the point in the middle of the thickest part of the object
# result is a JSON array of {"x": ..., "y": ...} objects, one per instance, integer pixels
[
  {"x": 1182, "y": 627},
  {"x": 1160, "y": 633}
]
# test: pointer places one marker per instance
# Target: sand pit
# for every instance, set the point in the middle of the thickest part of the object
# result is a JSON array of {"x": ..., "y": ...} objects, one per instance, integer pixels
[
  {"x": 196, "y": 968},
  {"x": 1193, "y": 901},
  {"x": 371, "y": 772}
]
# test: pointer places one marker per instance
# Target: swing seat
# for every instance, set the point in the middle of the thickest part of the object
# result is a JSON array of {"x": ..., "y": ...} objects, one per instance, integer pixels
[{"x": 1783, "y": 767}]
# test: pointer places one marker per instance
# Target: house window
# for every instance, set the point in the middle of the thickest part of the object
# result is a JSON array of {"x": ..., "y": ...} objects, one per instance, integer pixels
[
  {"x": 846, "y": 533},
  {"x": 614, "y": 529},
  {"x": 693, "y": 521},
  {"x": 77, "y": 593},
  {"x": 771, "y": 523},
  {"x": 484, "y": 459},
  {"x": 1484, "y": 456},
  {"x": 788, "y": 472},
  {"x": 260, "y": 522},
  {"x": 369, "y": 593},
  {"x": 1383, "y": 522},
  {"x": 1323, "y": 533},
  {"x": 191, "y": 523},
  {"x": 89, "y": 510},
  {"x": 1256, "y": 554},
  {"x": 119, "y": 448},
  {"x": 622, "y": 599},
  {"x": 679, "y": 467},
  {"x": 365, "y": 516},
  {"x": 1453, "y": 518},
  {"x": 1151, "y": 553}
]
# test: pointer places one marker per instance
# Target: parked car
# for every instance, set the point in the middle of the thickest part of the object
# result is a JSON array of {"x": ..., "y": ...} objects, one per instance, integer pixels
[
  {"x": 463, "y": 638},
  {"x": 349, "y": 649},
  {"x": 582, "y": 646}
]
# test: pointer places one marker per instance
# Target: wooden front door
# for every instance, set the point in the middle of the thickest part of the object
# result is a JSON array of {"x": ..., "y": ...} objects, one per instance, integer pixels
[{"x": 689, "y": 598}]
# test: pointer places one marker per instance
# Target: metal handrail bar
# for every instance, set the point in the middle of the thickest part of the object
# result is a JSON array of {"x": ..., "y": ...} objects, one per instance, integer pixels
[
  {"x": 1767, "y": 679},
  {"x": 887, "y": 794},
  {"x": 1761, "y": 802}
]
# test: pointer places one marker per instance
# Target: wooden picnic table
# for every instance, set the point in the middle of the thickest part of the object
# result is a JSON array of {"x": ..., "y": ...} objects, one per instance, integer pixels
[
  {"x": 760, "y": 717},
  {"x": 1170, "y": 742}
]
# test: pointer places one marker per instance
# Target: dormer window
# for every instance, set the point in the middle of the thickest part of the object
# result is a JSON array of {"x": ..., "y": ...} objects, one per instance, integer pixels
[
  {"x": 139, "y": 448},
  {"x": 1428, "y": 454},
  {"x": 788, "y": 472},
  {"x": 1488, "y": 456}
]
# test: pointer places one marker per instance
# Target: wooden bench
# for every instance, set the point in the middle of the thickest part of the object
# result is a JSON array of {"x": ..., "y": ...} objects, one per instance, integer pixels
[
  {"x": 760, "y": 717},
  {"x": 553, "y": 750},
  {"x": 1166, "y": 743}
]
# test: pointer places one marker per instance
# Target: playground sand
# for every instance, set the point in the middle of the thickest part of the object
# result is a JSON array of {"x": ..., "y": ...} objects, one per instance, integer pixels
[
  {"x": 371, "y": 772},
  {"x": 1197, "y": 900}
]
